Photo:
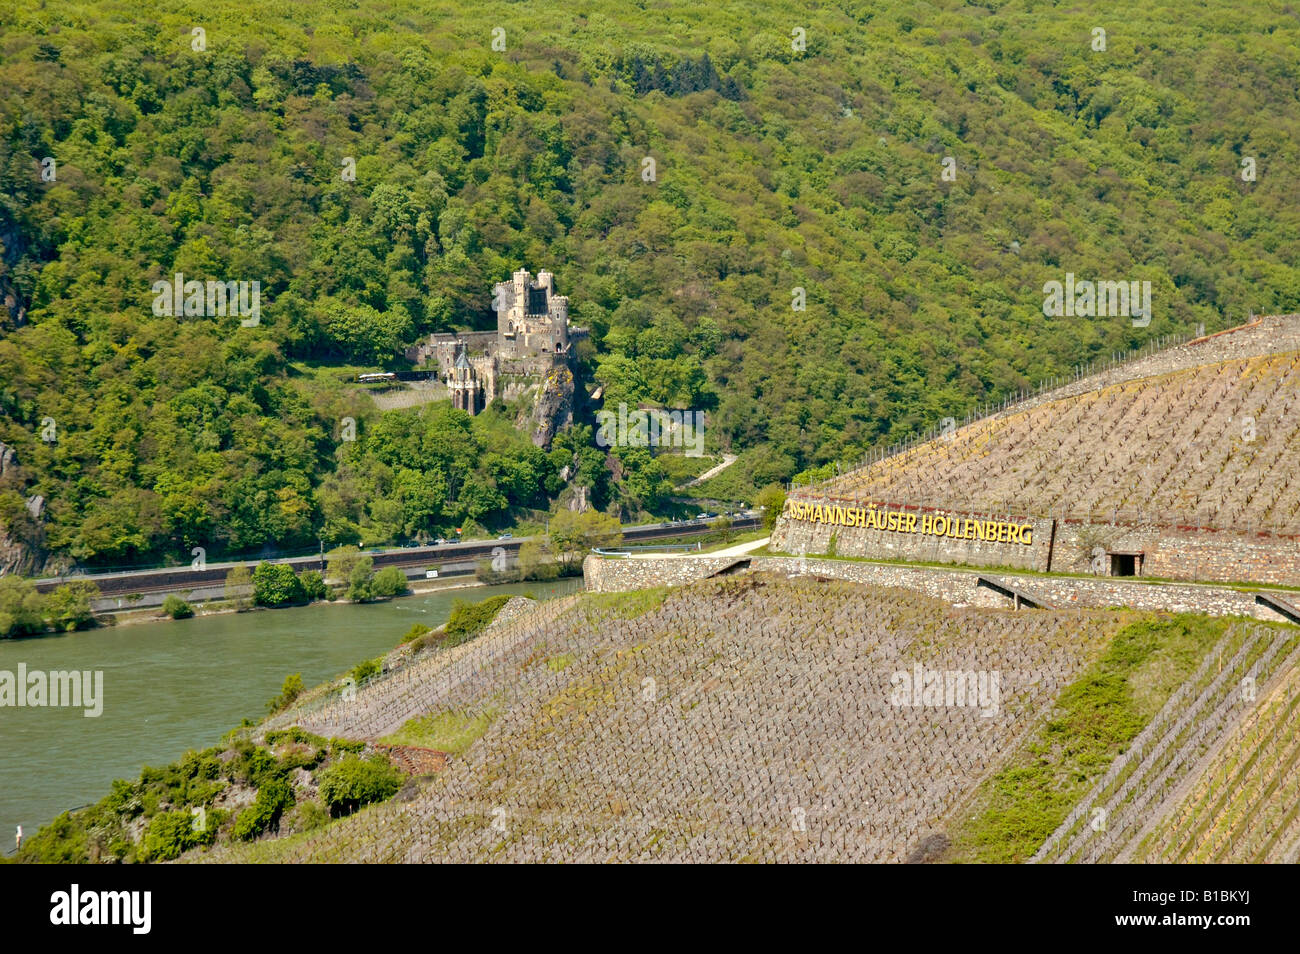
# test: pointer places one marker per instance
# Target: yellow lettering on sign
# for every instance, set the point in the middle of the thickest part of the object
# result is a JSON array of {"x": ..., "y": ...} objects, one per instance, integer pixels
[{"x": 896, "y": 521}]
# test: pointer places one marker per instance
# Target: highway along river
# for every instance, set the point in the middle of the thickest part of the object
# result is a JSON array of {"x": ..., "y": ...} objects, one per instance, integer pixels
[{"x": 173, "y": 686}]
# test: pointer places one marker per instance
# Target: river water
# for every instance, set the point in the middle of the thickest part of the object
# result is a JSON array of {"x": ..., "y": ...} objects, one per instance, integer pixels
[{"x": 173, "y": 686}]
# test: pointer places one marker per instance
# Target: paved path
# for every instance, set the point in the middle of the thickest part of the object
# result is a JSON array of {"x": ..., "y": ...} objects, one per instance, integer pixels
[
  {"x": 738, "y": 550},
  {"x": 727, "y": 461}
]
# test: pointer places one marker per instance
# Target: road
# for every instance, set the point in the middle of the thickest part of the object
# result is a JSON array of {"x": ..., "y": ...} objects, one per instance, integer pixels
[
  {"x": 177, "y": 578},
  {"x": 739, "y": 549}
]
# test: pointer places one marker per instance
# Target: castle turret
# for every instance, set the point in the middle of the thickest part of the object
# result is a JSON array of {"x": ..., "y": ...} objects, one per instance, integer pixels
[{"x": 463, "y": 384}]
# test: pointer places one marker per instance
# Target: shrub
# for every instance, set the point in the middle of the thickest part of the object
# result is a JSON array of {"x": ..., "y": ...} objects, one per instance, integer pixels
[
  {"x": 62, "y": 841},
  {"x": 294, "y": 734},
  {"x": 177, "y": 608},
  {"x": 289, "y": 691},
  {"x": 310, "y": 815},
  {"x": 170, "y": 835},
  {"x": 354, "y": 782},
  {"x": 275, "y": 584},
  {"x": 389, "y": 581},
  {"x": 364, "y": 669},
  {"x": 415, "y": 632},
  {"x": 484, "y": 573},
  {"x": 532, "y": 563},
  {"x": 272, "y": 799},
  {"x": 344, "y": 746},
  {"x": 468, "y": 619}
]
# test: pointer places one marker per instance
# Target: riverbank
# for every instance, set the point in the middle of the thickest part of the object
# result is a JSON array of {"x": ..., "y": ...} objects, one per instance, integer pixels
[
  {"x": 167, "y": 689},
  {"x": 113, "y": 618},
  {"x": 131, "y": 617}
]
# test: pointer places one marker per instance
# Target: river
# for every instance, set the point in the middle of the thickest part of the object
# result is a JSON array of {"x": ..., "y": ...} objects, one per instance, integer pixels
[{"x": 173, "y": 686}]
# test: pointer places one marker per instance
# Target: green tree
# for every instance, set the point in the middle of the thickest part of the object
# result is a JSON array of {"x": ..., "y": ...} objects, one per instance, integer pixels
[
  {"x": 361, "y": 580},
  {"x": 313, "y": 585},
  {"x": 68, "y": 607},
  {"x": 365, "y": 334},
  {"x": 573, "y": 535},
  {"x": 342, "y": 560},
  {"x": 275, "y": 584},
  {"x": 239, "y": 582},
  {"x": 22, "y": 610},
  {"x": 772, "y": 501},
  {"x": 388, "y": 582},
  {"x": 532, "y": 563}
]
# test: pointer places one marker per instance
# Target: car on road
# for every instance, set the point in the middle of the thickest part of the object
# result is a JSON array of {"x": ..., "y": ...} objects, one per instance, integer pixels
[
  {"x": 506, "y": 536},
  {"x": 441, "y": 541}
]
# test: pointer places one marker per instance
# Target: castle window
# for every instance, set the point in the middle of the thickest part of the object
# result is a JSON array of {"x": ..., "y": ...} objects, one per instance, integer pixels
[{"x": 537, "y": 301}]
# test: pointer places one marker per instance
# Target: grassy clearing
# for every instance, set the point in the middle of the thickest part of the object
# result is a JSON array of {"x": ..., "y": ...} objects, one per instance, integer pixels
[
  {"x": 627, "y": 605},
  {"x": 1095, "y": 718},
  {"x": 452, "y": 732},
  {"x": 562, "y": 661},
  {"x": 681, "y": 467}
]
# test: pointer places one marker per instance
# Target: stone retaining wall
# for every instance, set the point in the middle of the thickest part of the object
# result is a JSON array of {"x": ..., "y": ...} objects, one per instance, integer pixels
[
  {"x": 1174, "y": 554},
  {"x": 1062, "y": 546},
  {"x": 960, "y": 587},
  {"x": 959, "y": 544}
]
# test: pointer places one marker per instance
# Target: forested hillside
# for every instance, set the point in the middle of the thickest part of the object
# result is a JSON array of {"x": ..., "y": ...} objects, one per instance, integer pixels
[{"x": 378, "y": 170}]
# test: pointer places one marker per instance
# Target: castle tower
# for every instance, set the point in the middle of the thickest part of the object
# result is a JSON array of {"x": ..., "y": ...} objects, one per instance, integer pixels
[{"x": 531, "y": 318}]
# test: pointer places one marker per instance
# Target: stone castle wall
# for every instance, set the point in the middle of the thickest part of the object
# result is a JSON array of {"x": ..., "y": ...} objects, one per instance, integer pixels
[{"x": 530, "y": 352}]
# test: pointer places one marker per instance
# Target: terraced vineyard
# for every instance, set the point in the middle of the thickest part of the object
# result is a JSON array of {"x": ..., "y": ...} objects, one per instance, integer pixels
[
  {"x": 1244, "y": 804},
  {"x": 1129, "y": 451},
  {"x": 748, "y": 718},
  {"x": 1213, "y": 717},
  {"x": 381, "y": 704}
]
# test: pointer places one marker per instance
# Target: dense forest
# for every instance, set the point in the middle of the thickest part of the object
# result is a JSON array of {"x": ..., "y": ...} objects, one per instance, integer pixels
[{"x": 750, "y": 205}]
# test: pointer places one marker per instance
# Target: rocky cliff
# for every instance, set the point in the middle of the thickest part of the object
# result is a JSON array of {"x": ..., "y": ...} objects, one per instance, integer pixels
[{"x": 553, "y": 407}]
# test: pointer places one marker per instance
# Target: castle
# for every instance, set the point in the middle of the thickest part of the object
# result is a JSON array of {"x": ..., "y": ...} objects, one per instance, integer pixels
[{"x": 531, "y": 348}]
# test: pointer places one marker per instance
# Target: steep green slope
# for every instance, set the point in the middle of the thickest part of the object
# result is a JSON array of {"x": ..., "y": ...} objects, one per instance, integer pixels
[{"x": 775, "y": 169}]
